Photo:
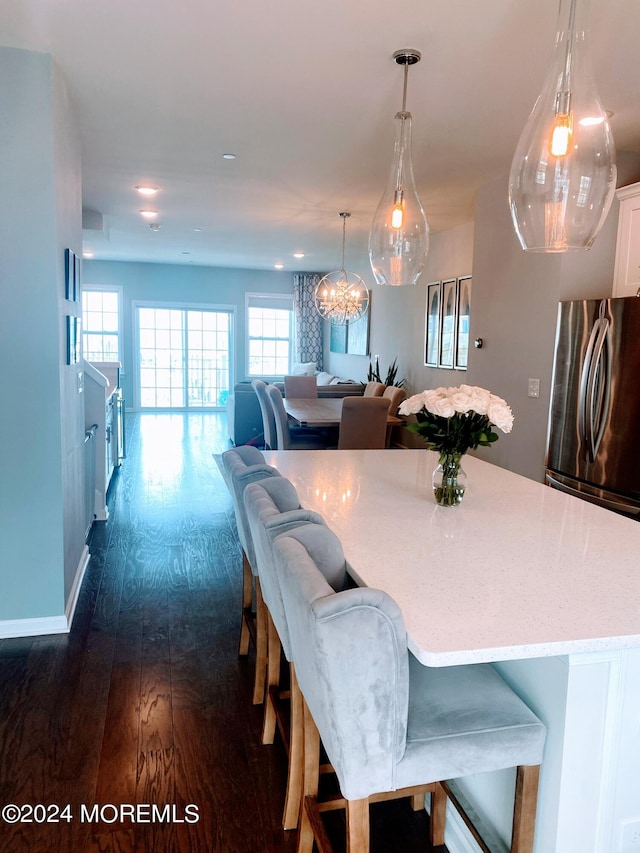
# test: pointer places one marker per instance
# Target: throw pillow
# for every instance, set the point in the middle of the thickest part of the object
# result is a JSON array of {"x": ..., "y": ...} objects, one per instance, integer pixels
[{"x": 303, "y": 368}]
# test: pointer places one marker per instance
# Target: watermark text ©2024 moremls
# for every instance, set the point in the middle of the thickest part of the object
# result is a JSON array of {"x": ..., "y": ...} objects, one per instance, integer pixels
[{"x": 101, "y": 813}]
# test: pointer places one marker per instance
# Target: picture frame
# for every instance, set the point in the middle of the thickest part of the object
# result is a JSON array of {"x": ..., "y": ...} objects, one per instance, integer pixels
[
  {"x": 71, "y": 275},
  {"x": 432, "y": 325},
  {"x": 337, "y": 338},
  {"x": 74, "y": 339},
  {"x": 447, "y": 323},
  {"x": 358, "y": 335},
  {"x": 463, "y": 311}
]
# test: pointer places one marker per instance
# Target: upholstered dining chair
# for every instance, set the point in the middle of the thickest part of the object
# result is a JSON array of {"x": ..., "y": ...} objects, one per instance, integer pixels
[
  {"x": 374, "y": 389},
  {"x": 390, "y": 726},
  {"x": 241, "y": 466},
  {"x": 268, "y": 418},
  {"x": 303, "y": 387},
  {"x": 395, "y": 395},
  {"x": 286, "y": 438},
  {"x": 363, "y": 424},
  {"x": 273, "y": 508}
]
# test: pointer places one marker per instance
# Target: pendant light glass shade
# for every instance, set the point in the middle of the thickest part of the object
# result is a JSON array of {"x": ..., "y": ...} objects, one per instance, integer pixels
[
  {"x": 563, "y": 173},
  {"x": 399, "y": 236},
  {"x": 342, "y": 297}
]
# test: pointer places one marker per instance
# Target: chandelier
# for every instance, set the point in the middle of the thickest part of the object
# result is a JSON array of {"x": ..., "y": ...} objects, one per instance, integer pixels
[{"x": 342, "y": 297}]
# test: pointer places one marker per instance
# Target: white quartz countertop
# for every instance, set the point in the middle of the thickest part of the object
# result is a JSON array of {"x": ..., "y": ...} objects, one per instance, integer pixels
[{"x": 518, "y": 570}]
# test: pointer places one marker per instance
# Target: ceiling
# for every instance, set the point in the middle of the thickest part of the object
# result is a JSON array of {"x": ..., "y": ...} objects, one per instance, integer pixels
[{"x": 304, "y": 94}]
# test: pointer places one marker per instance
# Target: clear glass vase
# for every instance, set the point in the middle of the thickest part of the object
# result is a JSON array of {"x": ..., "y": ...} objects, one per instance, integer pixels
[{"x": 449, "y": 480}]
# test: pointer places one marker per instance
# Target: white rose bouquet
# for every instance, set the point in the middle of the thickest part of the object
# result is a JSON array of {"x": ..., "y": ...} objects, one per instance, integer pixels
[{"x": 454, "y": 420}]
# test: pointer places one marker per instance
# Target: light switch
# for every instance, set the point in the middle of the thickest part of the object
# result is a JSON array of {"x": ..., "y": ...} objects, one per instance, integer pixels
[{"x": 534, "y": 388}]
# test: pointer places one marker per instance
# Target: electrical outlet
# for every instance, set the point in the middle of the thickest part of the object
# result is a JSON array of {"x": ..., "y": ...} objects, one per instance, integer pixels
[
  {"x": 630, "y": 836},
  {"x": 533, "y": 388}
]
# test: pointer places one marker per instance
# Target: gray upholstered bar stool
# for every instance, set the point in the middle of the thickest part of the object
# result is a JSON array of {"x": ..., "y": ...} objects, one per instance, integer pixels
[
  {"x": 241, "y": 466},
  {"x": 273, "y": 508},
  {"x": 390, "y": 726}
]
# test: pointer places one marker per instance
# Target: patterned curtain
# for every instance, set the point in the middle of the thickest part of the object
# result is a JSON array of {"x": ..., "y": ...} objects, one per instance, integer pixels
[{"x": 308, "y": 342}]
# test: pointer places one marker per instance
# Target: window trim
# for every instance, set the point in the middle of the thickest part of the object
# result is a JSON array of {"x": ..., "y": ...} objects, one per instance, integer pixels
[
  {"x": 268, "y": 297},
  {"x": 107, "y": 288}
]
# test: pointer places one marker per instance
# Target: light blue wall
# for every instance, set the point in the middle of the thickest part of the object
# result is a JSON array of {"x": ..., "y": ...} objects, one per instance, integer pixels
[
  {"x": 36, "y": 171},
  {"x": 183, "y": 284}
]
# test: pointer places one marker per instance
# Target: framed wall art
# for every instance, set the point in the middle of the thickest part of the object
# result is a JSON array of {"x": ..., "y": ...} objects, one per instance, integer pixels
[
  {"x": 358, "y": 335},
  {"x": 71, "y": 275},
  {"x": 432, "y": 325},
  {"x": 337, "y": 338},
  {"x": 74, "y": 339},
  {"x": 463, "y": 309},
  {"x": 447, "y": 323}
]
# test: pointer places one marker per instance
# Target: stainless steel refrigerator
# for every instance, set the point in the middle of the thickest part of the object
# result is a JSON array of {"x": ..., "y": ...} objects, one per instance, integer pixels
[{"x": 593, "y": 448}]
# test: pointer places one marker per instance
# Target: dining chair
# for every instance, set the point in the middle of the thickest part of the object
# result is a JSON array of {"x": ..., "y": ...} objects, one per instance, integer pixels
[
  {"x": 273, "y": 509},
  {"x": 241, "y": 466},
  {"x": 363, "y": 424},
  {"x": 396, "y": 396},
  {"x": 268, "y": 418},
  {"x": 286, "y": 438},
  {"x": 303, "y": 387},
  {"x": 390, "y": 726},
  {"x": 374, "y": 389}
]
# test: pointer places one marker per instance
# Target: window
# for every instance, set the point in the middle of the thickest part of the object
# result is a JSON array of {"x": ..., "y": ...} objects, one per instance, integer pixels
[
  {"x": 184, "y": 356},
  {"x": 101, "y": 324},
  {"x": 270, "y": 333}
]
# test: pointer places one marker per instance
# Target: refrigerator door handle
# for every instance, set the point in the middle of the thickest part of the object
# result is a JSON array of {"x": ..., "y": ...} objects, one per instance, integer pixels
[
  {"x": 594, "y": 388},
  {"x": 606, "y": 501}
]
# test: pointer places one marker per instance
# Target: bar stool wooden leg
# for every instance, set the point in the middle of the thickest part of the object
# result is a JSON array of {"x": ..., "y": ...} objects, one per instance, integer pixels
[
  {"x": 296, "y": 755},
  {"x": 261, "y": 647},
  {"x": 417, "y": 802},
  {"x": 273, "y": 680},
  {"x": 437, "y": 818},
  {"x": 524, "y": 813},
  {"x": 247, "y": 596},
  {"x": 358, "y": 826},
  {"x": 311, "y": 765}
]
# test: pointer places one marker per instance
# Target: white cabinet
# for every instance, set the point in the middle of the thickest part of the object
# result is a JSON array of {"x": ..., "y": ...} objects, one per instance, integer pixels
[
  {"x": 626, "y": 274},
  {"x": 103, "y": 404}
]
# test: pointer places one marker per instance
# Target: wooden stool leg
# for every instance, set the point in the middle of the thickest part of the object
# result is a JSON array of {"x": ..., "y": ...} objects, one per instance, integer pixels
[
  {"x": 247, "y": 595},
  {"x": 358, "y": 826},
  {"x": 261, "y": 647},
  {"x": 311, "y": 774},
  {"x": 296, "y": 756},
  {"x": 524, "y": 813},
  {"x": 273, "y": 680},
  {"x": 417, "y": 802},
  {"x": 437, "y": 818}
]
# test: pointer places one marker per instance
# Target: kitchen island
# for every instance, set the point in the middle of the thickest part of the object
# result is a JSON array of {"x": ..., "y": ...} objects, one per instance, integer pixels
[{"x": 543, "y": 585}]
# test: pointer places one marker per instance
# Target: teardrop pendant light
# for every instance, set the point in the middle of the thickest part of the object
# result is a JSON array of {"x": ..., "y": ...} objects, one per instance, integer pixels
[
  {"x": 563, "y": 173},
  {"x": 342, "y": 297},
  {"x": 399, "y": 237}
]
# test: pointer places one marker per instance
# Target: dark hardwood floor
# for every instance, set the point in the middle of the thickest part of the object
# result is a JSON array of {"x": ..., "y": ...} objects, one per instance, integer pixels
[{"x": 146, "y": 701}]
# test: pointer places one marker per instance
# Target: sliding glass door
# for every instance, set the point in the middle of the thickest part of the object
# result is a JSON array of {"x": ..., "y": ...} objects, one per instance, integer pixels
[{"x": 184, "y": 357}]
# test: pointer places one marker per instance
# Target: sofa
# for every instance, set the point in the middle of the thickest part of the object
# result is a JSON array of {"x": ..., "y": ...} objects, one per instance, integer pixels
[{"x": 244, "y": 420}]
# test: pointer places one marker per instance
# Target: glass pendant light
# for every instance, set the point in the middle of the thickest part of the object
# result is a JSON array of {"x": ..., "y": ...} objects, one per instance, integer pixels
[
  {"x": 563, "y": 173},
  {"x": 342, "y": 297},
  {"x": 399, "y": 237}
]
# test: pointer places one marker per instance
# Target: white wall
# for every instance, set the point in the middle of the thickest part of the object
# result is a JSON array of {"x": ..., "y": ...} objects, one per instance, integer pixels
[{"x": 41, "y": 428}]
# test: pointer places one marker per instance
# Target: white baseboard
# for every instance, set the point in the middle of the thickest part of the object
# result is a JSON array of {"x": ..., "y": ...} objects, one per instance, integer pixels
[
  {"x": 457, "y": 837},
  {"x": 33, "y": 627},
  {"x": 70, "y": 609},
  {"x": 49, "y": 624}
]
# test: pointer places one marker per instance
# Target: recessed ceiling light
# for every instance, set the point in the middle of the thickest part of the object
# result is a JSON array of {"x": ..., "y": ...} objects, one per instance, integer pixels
[
  {"x": 198, "y": 229},
  {"x": 186, "y": 253},
  {"x": 155, "y": 226},
  {"x": 279, "y": 266},
  {"x": 149, "y": 214},
  {"x": 298, "y": 254},
  {"x": 228, "y": 156},
  {"x": 87, "y": 254},
  {"x": 147, "y": 190}
]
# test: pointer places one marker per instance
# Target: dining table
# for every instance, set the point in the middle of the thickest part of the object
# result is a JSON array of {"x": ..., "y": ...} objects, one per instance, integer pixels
[
  {"x": 542, "y": 585},
  {"x": 321, "y": 412}
]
